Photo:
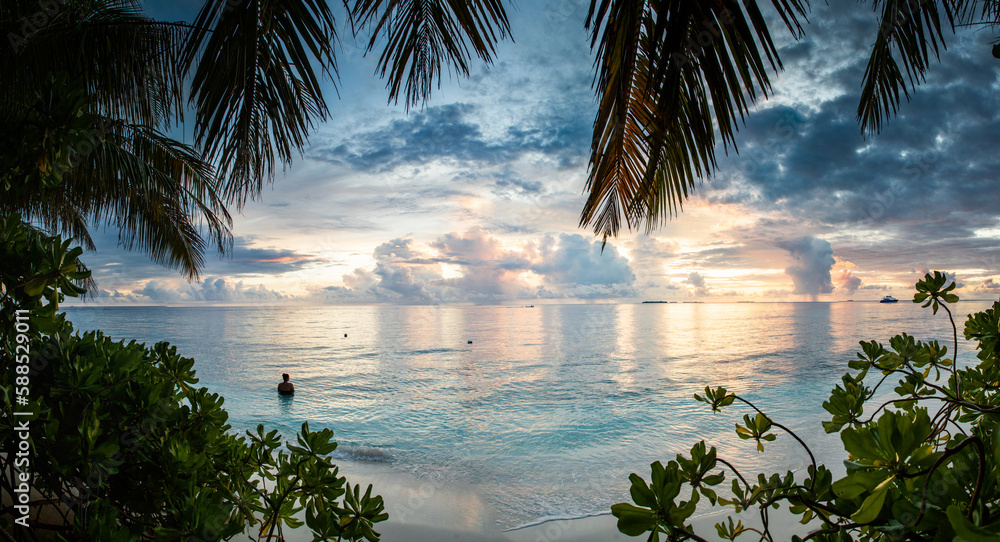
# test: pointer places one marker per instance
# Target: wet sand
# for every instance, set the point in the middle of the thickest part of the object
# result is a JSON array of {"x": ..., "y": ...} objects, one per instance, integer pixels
[{"x": 449, "y": 510}]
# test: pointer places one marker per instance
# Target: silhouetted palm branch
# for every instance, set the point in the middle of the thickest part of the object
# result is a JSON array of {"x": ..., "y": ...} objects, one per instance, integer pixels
[
  {"x": 254, "y": 89},
  {"x": 86, "y": 42},
  {"x": 912, "y": 31},
  {"x": 422, "y": 36},
  {"x": 158, "y": 192},
  {"x": 664, "y": 70}
]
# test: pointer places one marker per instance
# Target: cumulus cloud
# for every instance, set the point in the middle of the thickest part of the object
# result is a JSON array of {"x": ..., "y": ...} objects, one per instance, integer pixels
[
  {"x": 396, "y": 249},
  {"x": 576, "y": 259},
  {"x": 698, "y": 282},
  {"x": 813, "y": 259},
  {"x": 848, "y": 281},
  {"x": 113, "y": 295},
  {"x": 988, "y": 286},
  {"x": 484, "y": 270},
  {"x": 211, "y": 290}
]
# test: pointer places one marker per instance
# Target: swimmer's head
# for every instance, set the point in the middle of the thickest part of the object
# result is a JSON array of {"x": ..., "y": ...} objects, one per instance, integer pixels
[{"x": 284, "y": 376}]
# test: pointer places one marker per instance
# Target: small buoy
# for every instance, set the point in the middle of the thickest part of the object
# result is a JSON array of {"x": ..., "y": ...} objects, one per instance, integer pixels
[
  {"x": 470, "y": 342},
  {"x": 345, "y": 334}
]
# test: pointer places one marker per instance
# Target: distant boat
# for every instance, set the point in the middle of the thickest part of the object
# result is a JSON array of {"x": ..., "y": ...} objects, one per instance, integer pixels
[
  {"x": 529, "y": 306},
  {"x": 889, "y": 299}
]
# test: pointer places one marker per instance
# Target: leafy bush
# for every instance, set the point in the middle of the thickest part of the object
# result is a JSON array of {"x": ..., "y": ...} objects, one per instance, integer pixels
[
  {"x": 922, "y": 466},
  {"x": 123, "y": 446}
]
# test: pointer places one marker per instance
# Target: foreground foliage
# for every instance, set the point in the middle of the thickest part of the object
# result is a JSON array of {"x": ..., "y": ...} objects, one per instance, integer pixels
[
  {"x": 923, "y": 465},
  {"x": 124, "y": 446}
]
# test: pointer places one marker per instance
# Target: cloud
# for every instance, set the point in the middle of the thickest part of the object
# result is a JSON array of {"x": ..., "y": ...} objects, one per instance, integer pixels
[
  {"x": 396, "y": 249},
  {"x": 875, "y": 287},
  {"x": 159, "y": 292},
  {"x": 649, "y": 249},
  {"x": 480, "y": 268},
  {"x": 813, "y": 261},
  {"x": 698, "y": 282},
  {"x": 576, "y": 259},
  {"x": 457, "y": 132},
  {"x": 211, "y": 290},
  {"x": 248, "y": 260},
  {"x": 848, "y": 281},
  {"x": 988, "y": 286}
]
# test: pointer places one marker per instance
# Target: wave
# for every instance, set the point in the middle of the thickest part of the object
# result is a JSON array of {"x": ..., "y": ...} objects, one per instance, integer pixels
[
  {"x": 432, "y": 351},
  {"x": 363, "y": 453},
  {"x": 547, "y": 519}
]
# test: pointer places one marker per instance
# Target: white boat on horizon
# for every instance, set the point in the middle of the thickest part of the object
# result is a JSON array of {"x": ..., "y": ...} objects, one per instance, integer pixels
[{"x": 889, "y": 299}]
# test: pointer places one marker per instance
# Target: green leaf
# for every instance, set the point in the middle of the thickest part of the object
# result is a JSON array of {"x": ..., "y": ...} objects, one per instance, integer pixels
[
  {"x": 872, "y": 506},
  {"x": 968, "y": 531},
  {"x": 641, "y": 494},
  {"x": 632, "y": 520}
]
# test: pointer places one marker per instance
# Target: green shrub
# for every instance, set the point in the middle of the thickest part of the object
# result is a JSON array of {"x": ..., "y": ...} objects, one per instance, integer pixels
[
  {"x": 922, "y": 465},
  {"x": 123, "y": 446}
]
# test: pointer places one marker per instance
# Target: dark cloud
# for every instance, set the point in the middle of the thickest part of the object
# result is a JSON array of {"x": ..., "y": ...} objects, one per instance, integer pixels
[
  {"x": 813, "y": 261},
  {"x": 246, "y": 260},
  {"x": 455, "y": 132},
  {"x": 928, "y": 179},
  {"x": 512, "y": 186}
]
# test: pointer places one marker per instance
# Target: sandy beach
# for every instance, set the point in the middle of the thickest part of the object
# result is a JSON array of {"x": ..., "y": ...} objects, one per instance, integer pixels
[{"x": 424, "y": 511}]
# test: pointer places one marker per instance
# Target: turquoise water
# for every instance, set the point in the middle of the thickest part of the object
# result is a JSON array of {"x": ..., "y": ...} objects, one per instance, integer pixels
[{"x": 549, "y": 408}]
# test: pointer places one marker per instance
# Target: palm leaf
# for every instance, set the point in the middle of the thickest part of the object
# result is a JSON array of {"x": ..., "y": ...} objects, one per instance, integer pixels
[
  {"x": 157, "y": 192},
  {"x": 84, "y": 42},
  {"x": 254, "y": 89},
  {"x": 912, "y": 30},
  {"x": 422, "y": 36},
  {"x": 664, "y": 68}
]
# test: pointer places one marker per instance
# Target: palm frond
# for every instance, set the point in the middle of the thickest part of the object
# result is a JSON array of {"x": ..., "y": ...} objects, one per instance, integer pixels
[
  {"x": 157, "y": 192},
  {"x": 84, "y": 41},
  {"x": 913, "y": 30},
  {"x": 254, "y": 89},
  {"x": 664, "y": 68},
  {"x": 423, "y": 36}
]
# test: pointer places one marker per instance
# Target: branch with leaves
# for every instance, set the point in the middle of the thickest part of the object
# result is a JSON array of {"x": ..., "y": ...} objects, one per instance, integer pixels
[{"x": 913, "y": 473}]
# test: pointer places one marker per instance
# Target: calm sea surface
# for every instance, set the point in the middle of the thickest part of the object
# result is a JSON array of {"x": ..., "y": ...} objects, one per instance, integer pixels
[{"x": 549, "y": 408}]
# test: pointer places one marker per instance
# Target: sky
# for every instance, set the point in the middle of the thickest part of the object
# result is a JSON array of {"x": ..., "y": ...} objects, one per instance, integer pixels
[{"x": 476, "y": 197}]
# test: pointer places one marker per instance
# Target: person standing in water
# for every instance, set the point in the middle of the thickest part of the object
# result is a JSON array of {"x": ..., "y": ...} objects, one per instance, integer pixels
[{"x": 285, "y": 387}]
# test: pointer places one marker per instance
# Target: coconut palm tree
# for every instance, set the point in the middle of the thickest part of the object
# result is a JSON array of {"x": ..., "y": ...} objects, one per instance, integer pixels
[
  {"x": 89, "y": 94},
  {"x": 93, "y": 95},
  {"x": 674, "y": 77}
]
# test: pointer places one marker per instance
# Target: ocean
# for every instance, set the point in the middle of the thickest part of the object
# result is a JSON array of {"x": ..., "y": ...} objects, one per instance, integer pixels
[{"x": 543, "y": 411}]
